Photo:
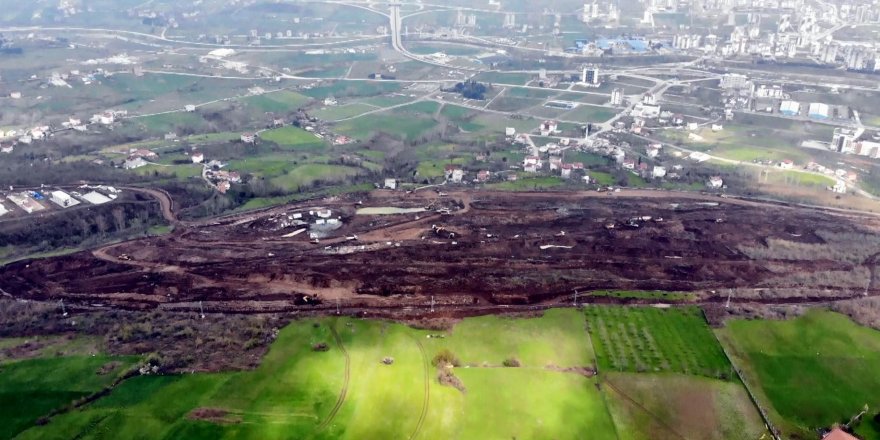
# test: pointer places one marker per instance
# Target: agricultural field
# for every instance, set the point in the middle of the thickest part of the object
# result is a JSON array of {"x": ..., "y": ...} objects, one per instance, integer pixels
[
  {"x": 675, "y": 406},
  {"x": 293, "y": 138},
  {"x": 812, "y": 371},
  {"x": 649, "y": 339},
  {"x": 277, "y": 102},
  {"x": 365, "y": 127},
  {"x": 589, "y": 113},
  {"x": 345, "y": 111},
  {"x": 529, "y": 184},
  {"x": 326, "y": 378}
]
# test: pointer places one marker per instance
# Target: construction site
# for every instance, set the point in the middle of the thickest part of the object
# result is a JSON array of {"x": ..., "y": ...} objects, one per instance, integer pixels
[{"x": 427, "y": 253}]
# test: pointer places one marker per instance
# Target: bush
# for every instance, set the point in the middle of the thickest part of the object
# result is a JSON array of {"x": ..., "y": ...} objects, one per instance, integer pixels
[
  {"x": 512, "y": 362},
  {"x": 444, "y": 358},
  {"x": 321, "y": 346}
]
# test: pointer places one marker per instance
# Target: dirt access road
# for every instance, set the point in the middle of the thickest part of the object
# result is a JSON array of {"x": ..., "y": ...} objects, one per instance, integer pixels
[{"x": 469, "y": 251}]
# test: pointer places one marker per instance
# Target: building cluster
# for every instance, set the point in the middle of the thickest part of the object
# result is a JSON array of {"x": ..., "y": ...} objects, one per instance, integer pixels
[
  {"x": 799, "y": 33},
  {"x": 849, "y": 141},
  {"x": 31, "y": 201}
]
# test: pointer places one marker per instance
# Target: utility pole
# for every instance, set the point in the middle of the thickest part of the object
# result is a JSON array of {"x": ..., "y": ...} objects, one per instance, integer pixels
[
  {"x": 63, "y": 310},
  {"x": 432, "y": 303},
  {"x": 201, "y": 310},
  {"x": 337, "y": 305},
  {"x": 575, "y": 297},
  {"x": 727, "y": 306}
]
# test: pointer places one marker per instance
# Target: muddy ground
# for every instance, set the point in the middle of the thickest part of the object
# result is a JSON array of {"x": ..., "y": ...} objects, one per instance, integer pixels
[{"x": 469, "y": 251}]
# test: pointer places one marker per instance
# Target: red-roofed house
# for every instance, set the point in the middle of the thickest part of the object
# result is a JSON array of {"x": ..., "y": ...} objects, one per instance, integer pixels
[{"x": 839, "y": 434}]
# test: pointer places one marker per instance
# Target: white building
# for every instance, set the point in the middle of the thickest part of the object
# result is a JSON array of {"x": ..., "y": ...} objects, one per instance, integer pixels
[
  {"x": 790, "y": 108},
  {"x": 197, "y": 157},
  {"x": 248, "y": 138},
  {"x": 391, "y": 183},
  {"x": 510, "y": 131},
  {"x": 715, "y": 182},
  {"x": 95, "y": 198},
  {"x": 646, "y": 111},
  {"x": 189, "y": 108},
  {"x": 659, "y": 172},
  {"x": 133, "y": 163},
  {"x": 843, "y": 140},
  {"x": 63, "y": 199},
  {"x": 590, "y": 76},
  {"x": 818, "y": 110},
  {"x": 839, "y": 187},
  {"x": 617, "y": 97}
]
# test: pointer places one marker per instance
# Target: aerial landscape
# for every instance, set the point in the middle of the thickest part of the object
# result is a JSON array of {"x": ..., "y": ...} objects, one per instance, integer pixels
[{"x": 490, "y": 219}]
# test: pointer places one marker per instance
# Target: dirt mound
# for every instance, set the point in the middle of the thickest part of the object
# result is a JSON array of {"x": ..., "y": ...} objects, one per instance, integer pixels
[{"x": 214, "y": 415}]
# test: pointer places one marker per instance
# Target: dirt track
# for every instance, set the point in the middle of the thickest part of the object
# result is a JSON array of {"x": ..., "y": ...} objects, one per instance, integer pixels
[{"x": 489, "y": 250}]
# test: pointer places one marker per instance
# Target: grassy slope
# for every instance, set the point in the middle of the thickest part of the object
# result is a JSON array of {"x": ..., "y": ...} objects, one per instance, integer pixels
[
  {"x": 814, "y": 370},
  {"x": 294, "y": 389},
  {"x": 31, "y": 388},
  {"x": 492, "y": 339}
]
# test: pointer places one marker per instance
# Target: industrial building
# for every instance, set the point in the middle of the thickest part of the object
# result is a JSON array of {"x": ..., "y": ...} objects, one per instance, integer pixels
[
  {"x": 63, "y": 199},
  {"x": 790, "y": 108},
  {"x": 818, "y": 111}
]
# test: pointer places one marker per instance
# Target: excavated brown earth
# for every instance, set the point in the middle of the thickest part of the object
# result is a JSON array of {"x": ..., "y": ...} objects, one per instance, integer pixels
[{"x": 242, "y": 263}]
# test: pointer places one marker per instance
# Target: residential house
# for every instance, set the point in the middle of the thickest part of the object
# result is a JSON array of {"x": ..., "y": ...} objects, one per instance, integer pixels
[
  {"x": 391, "y": 183},
  {"x": 197, "y": 157},
  {"x": 548, "y": 128},
  {"x": 483, "y": 176},
  {"x": 659, "y": 172},
  {"x": 510, "y": 131},
  {"x": 715, "y": 182},
  {"x": 566, "y": 170},
  {"x": 838, "y": 434},
  {"x": 134, "y": 162},
  {"x": 6, "y": 149},
  {"x": 786, "y": 164},
  {"x": 629, "y": 164},
  {"x": 189, "y": 108},
  {"x": 141, "y": 152},
  {"x": 170, "y": 136},
  {"x": 248, "y": 138},
  {"x": 839, "y": 187},
  {"x": 454, "y": 173},
  {"x": 223, "y": 186},
  {"x": 653, "y": 150}
]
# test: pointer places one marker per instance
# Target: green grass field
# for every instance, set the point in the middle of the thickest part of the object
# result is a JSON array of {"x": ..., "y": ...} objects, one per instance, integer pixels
[
  {"x": 294, "y": 392},
  {"x": 529, "y": 184},
  {"x": 650, "y": 339},
  {"x": 277, "y": 102},
  {"x": 307, "y": 174},
  {"x": 589, "y": 113},
  {"x": 408, "y": 128},
  {"x": 643, "y": 294},
  {"x": 293, "y": 138},
  {"x": 813, "y": 371},
  {"x": 342, "y": 112},
  {"x": 30, "y": 389}
]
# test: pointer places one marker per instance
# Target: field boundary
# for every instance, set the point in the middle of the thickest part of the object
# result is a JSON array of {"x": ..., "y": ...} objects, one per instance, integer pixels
[
  {"x": 774, "y": 432},
  {"x": 427, "y": 398},
  {"x": 642, "y": 407},
  {"x": 344, "y": 391}
]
